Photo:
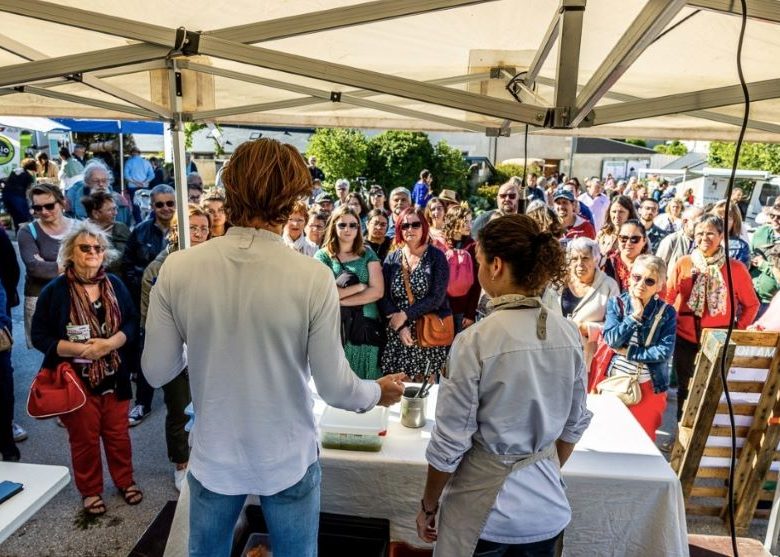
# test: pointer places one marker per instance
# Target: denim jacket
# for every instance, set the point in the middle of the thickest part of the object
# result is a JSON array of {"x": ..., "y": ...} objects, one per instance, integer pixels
[{"x": 619, "y": 327}]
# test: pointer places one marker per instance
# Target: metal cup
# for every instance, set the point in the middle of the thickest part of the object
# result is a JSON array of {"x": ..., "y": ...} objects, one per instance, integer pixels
[{"x": 412, "y": 409}]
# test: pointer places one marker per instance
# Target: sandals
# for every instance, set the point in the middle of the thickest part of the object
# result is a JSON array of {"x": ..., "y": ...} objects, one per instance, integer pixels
[
  {"x": 96, "y": 508},
  {"x": 132, "y": 495}
]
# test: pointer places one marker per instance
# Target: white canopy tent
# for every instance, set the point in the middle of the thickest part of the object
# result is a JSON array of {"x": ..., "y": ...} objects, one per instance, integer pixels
[{"x": 610, "y": 68}]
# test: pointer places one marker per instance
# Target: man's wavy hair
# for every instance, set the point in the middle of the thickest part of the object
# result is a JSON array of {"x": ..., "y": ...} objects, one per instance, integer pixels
[{"x": 263, "y": 180}]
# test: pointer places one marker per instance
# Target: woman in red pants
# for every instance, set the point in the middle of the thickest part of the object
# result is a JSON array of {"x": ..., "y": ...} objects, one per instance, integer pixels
[{"x": 85, "y": 316}]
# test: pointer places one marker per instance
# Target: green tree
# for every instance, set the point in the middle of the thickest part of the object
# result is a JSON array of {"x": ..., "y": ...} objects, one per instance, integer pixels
[
  {"x": 671, "y": 148},
  {"x": 450, "y": 170},
  {"x": 341, "y": 153},
  {"x": 395, "y": 158},
  {"x": 753, "y": 156},
  {"x": 637, "y": 142}
]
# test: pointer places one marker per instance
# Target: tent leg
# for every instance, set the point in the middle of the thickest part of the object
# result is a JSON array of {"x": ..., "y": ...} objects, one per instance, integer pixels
[
  {"x": 122, "y": 164},
  {"x": 179, "y": 172}
]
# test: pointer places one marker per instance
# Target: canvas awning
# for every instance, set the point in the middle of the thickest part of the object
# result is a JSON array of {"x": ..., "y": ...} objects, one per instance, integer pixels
[
  {"x": 112, "y": 126},
  {"x": 32, "y": 124},
  {"x": 609, "y": 68}
]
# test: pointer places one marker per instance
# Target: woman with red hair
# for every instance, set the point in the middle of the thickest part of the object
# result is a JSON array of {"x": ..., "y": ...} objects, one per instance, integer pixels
[{"x": 416, "y": 276}]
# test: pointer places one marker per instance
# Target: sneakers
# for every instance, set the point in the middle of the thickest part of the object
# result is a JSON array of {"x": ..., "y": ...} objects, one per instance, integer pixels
[
  {"x": 178, "y": 477},
  {"x": 137, "y": 415},
  {"x": 20, "y": 434}
]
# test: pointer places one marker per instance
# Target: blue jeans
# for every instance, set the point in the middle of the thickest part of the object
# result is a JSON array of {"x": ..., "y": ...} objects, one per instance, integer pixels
[
  {"x": 292, "y": 516},
  {"x": 544, "y": 548}
]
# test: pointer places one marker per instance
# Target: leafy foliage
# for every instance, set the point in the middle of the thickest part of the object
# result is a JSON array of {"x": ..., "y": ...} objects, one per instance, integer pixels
[
  {"x": 636, "y": 141},
  {"x": 507, "y": 170},
  {"x": 753, "y": 156},
  {"x": 395, "y": 158},
  {"x": 341, "y": 153},
  {"x": 671, "y": 148},
  {"x": 449, "y": 168}
]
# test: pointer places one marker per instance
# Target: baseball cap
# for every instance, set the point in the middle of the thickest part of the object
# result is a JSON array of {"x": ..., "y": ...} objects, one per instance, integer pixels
[
  {"x": 323, "y": 197},
  {"x": 561, "y": 193}
]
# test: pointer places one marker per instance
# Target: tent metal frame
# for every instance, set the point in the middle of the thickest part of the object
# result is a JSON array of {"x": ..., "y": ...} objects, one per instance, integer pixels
[{"x": 573, "y": 106}]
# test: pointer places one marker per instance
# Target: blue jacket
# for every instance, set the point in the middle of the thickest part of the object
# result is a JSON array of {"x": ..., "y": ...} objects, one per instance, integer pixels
[
  {"x": 619, "y": 327},
  {"x": 433, "y": 263},
  {"x": 421, "y": 194},
  {"x": 51, "y": 317}
]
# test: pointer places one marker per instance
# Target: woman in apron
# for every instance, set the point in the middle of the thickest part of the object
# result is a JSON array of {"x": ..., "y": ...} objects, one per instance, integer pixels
[{"x": 511, "y": 407}]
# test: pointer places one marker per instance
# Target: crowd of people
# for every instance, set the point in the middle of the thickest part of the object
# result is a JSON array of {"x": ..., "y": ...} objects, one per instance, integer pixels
[{"x": 626, "y": 274}]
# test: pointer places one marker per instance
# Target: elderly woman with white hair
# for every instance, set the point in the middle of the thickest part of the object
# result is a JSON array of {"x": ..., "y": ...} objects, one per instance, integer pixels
[
  {"x": 97, "y": 177},
  {"x": 583, "y": 298},
  {"x": 85, "y": 317},
  {"x": 640, "y": 331}
]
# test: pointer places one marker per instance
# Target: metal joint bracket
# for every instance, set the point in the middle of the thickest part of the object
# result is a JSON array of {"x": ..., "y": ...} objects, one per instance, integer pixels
[
  {"x": 335, "y": 96},
  {"x": 572, "y": 5},
  {"x": 497, "y": 72},
  {"x": 497, "y": 132},
  {"x": 76, "y": 77},
  {"x": 177, "y": 76},
  {"x": 19, "y": 89},
  {"x": 187, "y": 42}
]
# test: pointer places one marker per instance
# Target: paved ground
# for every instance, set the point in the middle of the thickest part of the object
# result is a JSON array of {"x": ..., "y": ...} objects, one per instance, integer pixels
[{"x": 59, "y": 529}]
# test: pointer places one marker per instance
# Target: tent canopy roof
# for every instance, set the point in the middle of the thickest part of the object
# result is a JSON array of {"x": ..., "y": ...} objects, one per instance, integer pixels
[{"x": 608, "y": 68}]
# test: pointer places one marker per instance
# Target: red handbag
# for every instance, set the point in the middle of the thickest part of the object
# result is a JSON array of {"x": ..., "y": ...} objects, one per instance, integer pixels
[
  {"x": 600, "y": 364},
  {"x": 55, "y": 392}
]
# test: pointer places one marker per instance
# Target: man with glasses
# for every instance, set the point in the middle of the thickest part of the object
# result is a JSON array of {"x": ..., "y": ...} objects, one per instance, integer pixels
[
  {"x": 342, "y": 191},
  {"x": 146, "y": 241},
  {"x": 507, "y": 201},
  {"x": 97, "y": 177},
  {"x": 574, "y": 225},
  {"x": 194, "y": 187}
]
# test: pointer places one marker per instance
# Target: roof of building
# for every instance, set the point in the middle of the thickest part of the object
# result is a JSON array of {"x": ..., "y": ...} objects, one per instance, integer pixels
[{"x": 597, "y": 146}]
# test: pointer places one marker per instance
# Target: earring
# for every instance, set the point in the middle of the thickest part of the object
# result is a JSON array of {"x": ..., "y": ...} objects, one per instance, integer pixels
[{"x": 493, "y": 277}]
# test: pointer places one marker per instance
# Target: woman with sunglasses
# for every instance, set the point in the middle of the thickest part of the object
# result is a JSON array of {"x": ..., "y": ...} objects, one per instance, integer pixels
[
  {"x": 86, "y": 317},
  {"x": 632, "y": 242},
  {"x": 376, "y": 236},
  {"x": 39, "y": 244},
  {"x": 698, "y": 289},
  {"x": 620, "y": 210},
  {"x": 177, "y": 392},
  {"x": 358, "y": 274},
  {"x": 420, "y": 267},
  {"x": 640, "y": 328}
]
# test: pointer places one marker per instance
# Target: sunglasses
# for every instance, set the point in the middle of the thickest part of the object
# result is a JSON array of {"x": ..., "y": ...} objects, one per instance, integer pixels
[
  {"x": 345, "y": 225},
  {"x": 408, "y": 225},
  {"x": 47, "y": 206},
  {"x": 89, "y": 248},
  {"x": 632, "y": 239},
  {"x": 507, "y": 196},
  {"x": 161, "y": 204},
  {"x": 648, "y": 281}
]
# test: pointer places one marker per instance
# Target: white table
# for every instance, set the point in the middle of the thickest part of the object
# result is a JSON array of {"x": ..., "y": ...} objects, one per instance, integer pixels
[
  {"x": 625, "y": 498},
  {"x": 41, "y": 483}
]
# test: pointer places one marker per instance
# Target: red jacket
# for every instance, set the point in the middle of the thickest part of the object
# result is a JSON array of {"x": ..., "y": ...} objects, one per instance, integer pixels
[{"x": 678, "y": 291}]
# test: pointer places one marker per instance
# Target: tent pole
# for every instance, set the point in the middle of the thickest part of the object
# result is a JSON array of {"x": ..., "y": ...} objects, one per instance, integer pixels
[
  {"x": 122, "y": 164},
  {"x": 179, "y": 172}
]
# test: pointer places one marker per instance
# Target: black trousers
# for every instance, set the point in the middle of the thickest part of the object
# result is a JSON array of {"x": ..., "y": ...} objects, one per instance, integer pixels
[
  {"x": 545, "y": 548},
  {"x": 684, "y": 362},
  {"x": 177, "y": 397}
]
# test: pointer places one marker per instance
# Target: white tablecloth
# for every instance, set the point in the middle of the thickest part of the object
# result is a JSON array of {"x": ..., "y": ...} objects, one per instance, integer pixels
[
  {"x": 41, "y": 483},
  {"x": 625, "y": 498}
]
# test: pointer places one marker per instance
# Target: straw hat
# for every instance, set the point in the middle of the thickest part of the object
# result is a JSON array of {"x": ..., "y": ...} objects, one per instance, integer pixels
[{"x": 448, "y": 196}]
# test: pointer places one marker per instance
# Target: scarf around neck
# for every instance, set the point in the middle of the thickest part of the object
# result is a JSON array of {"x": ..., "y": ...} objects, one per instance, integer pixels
[
  {"x": 82, "y": 313},
  {"x": 709, "y": 291}
]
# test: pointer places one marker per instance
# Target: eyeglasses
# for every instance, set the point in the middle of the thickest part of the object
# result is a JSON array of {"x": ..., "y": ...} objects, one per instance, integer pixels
[
  {"x": 89, "y": 248},
  {"x": 648, "y": 281},
  {"x": 408, "y": 225},
  {"x": 316, "y": 227},
  {"x": 199, "y": 229},
  {"x": 632, "y": 239},
  {"x": 507, "y": 196},
  {"x": 161, "y": 204},
  {"x": 344, "y": 225},
  {"x": 296, "y": 221},
  {"x": 47, "y": 206}
]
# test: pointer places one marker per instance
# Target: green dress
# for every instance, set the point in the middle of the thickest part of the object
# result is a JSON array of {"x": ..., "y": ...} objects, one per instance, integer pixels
[{"x": 364, "y": 359}]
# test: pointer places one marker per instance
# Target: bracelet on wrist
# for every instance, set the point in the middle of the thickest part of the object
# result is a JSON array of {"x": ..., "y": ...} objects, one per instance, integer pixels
[{"x": 426, "y": 512}]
